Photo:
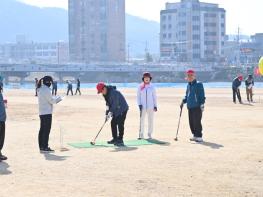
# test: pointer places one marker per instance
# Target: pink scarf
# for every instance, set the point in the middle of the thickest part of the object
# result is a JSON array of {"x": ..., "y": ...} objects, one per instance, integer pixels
[{"x": 143, "y": 85}]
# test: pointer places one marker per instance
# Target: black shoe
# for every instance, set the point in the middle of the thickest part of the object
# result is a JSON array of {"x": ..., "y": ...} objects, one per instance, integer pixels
[
  {"x": 113, "y": 141},
  {"x": 119, "y": 143},
  {"x": 46, "y": 150},
  {"x": 2, "y": 157}
]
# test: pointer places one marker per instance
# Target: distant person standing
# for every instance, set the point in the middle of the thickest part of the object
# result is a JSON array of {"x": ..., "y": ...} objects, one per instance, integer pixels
[
  {"x": 147, "y": 102},
  {"x": 249, "y": 87},
  {"x": 235, "y": 87},
  {"x": 78, "y": 87},
  {"x": 45, "y": 101},
  {"x": 54, "y": 88},
  {"x": 36, "y": 84},
  {"x": 2, "y": 126},
  {"x": 70, "y": 88},
  {"x": 195, "y": 100}
]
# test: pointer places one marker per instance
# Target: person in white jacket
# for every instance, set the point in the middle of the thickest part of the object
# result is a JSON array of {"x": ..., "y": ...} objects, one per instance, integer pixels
[
  {"x": 45, "y": 101},
  {"x": 147, "y": 102}
]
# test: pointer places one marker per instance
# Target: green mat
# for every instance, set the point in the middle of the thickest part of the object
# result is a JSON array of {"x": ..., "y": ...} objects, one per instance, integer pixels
[{"x": 129, "y": 143}]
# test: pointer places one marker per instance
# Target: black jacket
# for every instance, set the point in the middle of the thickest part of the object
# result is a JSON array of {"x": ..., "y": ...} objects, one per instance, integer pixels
[{"x": 115, "y": 101}]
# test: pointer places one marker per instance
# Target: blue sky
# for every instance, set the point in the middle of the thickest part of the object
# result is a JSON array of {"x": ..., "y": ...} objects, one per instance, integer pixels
[{"x": 247, "y": 14}]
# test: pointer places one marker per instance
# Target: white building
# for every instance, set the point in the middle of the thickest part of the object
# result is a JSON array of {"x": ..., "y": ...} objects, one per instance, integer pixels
[
  {"x": 30, "y": 52},
  {"x": 192, "y": 31}
]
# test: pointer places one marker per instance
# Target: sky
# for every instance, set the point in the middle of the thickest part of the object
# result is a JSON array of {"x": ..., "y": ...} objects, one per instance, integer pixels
[{"x": 246, "y": 14}]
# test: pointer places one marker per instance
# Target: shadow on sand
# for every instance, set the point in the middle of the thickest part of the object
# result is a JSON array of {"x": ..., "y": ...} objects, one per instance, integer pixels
[
  {"x": 124, "y": 149},
  {"x": 158, "y": 142},
  {"x": 53, "y": 157},
  {"x": 4, "y": 168},
  {"x": 211, "y": 145}
]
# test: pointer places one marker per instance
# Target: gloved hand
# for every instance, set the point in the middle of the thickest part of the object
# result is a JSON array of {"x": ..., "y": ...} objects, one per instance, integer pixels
[
  {"x": 140, "y": 107},
  {"x": 182, "y": 105},
  {"x": 109, "y": 116},
  {"x": 155, "y": 109},
  {"x": 58, "y": 99},
  {"x": 202, "y": 107},
  {"x": 107, "y": 112}
]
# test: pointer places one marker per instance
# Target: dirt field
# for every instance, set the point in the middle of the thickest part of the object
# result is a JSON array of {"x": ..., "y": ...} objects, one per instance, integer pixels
[{"x": 228, "y": 163}]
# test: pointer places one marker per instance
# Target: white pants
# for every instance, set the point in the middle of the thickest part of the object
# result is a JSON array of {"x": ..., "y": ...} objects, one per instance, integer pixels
[{"x": 150, "y": 114}]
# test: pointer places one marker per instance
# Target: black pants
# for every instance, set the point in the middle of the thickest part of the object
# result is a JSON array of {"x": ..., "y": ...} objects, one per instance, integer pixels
[
  {"x": 78, "y": 90},
  {"x": 45, "y": 127},
  {"x": 2, "y": 135},
  {"x": 70, "y": 90},
  {"x": 117, "y": 123},
  {"x": 54, "y": 91},
  {"x": 195, "y": 118},
  {"x": 236, "y": 93}
]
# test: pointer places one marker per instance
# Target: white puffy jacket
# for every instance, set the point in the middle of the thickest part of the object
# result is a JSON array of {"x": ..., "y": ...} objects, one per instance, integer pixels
[
  {"x": 146, "y": 96},
  {"x": 45, "y": 100}
]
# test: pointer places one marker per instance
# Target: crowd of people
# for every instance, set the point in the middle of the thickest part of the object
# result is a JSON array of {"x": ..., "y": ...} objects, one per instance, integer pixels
[{"x": 117, "y": 107}]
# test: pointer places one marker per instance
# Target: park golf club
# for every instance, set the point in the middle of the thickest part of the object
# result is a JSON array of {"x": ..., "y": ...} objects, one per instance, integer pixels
[
  {"x": 94, "y": 141},
  {"x": 176, "y": 138}
]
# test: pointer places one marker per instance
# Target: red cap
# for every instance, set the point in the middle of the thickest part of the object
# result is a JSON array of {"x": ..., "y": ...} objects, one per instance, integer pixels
[
  {"x": 240, "y": 77},
  {"x": 100, "y": 87},
  {"x": 190, "y": 72}
]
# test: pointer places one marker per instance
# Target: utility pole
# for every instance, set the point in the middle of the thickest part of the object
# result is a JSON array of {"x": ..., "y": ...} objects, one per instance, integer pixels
[{"x": 238, "y": 44}]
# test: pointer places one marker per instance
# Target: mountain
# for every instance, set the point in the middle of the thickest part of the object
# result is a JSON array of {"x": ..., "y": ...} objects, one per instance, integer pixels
[{"x": 51, "y": 25}]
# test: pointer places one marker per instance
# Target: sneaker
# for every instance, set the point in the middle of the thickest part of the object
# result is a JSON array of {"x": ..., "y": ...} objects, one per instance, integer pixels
[
  {"x": 2, "y": 157},
  {"x": 192, "y": 139},
  {"x": 111, "y": 141},
  {"x": 199, "y": 139},
  {"x": 47, "y": 150},
  {"x": 119, "y": 143}
]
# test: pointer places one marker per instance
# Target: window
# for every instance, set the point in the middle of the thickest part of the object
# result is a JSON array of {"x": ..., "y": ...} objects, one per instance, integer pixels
[
  {"x": 196, "y": 18},
  {"x": 210, "y": 43},
  {"x": 196, "y": 37},
  {"x": 170, "y": 26},
  {"x": 196, "y": 46},
  {"x": 182, "y": 24},
  {"x": 211, "y": 15},
  {"x": 210, "y": 33},
  {"x": 164, "y": 27},
  {"x": 164, "y": 36},
  {"x": 222, "y": 16},
  {"x": 169, "y": 17},
  {"x": 222, "y": 25},
  {"x": 210, "y": 24},
  {"x": 196, "y": 27},
  {"x": 164, "y": 17},
  {"x": 196, "y": 55},
  {"x": 169, "y": 35}
]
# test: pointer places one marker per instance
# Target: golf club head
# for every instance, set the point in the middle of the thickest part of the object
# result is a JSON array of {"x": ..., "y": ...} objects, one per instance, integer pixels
[
  {"x": 176, "y": 139},
  {"x": 92, "y": 143}
]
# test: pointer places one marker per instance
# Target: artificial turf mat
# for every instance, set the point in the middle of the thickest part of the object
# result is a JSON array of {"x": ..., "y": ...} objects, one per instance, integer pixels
[{"x": 129, "y": 143}]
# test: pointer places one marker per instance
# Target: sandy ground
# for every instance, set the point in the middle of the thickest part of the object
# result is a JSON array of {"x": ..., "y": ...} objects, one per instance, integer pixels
[{"x": 229, "y": 163}]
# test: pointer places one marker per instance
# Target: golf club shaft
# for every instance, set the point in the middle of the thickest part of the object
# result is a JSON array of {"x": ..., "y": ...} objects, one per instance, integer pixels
[
  {"x": 179, "y": 122},
  {"x": 99, "y": 131}
]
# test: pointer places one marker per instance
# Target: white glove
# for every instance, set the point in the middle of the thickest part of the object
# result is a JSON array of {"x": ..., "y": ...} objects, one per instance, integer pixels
[
  {"x": 109, "y": 116},
  {"x": 202, "y": 107},
  {"x": 58, "y": 99}
]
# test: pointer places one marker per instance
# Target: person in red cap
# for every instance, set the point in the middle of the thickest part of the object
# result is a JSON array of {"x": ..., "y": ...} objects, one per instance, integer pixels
[
  {"x": 195, "y": 100},
  {"x": 117, "y": 108},
  {"x": 235, "y": 87},
  {"x": 147, "y": 102}
]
